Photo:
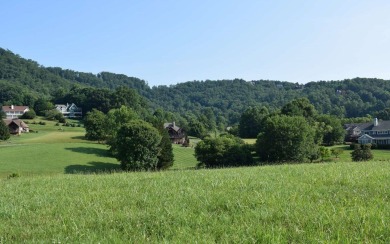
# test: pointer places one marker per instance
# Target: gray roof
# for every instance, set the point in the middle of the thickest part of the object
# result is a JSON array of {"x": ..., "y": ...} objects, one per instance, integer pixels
[
  {"x": 382, "y": 125},
  {"x": 171, "y": 125}
]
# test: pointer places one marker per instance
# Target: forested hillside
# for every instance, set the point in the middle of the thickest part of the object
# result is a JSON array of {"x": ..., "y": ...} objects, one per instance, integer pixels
[{"x": 220, "y": 102}]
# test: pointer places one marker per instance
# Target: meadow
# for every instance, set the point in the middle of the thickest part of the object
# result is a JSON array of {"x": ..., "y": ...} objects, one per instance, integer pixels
[
  {"x": 52, "y": 149},
  {"x": 70, "y": 190},
  {"x": 302, "y": 203}
]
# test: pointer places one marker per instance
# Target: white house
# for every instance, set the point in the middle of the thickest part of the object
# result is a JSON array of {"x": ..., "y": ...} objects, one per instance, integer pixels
[
  {"x": 69, "y": 110},
  {"x": 13, "y": 112},
  {"x": 377, "y": 132}
]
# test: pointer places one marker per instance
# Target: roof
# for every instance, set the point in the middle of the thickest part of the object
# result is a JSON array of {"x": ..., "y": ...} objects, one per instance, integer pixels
[
  {"x": 382, "y": 125},
  {"x": 15, "y": 108},
  {"x": 18, "y": 122},
  {"x": 172, "y": 126}
]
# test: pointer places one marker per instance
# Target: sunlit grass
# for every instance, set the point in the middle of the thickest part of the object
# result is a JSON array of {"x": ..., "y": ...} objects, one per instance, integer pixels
[{"x": 306, "y": 203}]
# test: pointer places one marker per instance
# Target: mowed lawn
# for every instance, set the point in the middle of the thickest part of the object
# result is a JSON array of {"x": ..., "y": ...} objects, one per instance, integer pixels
[
  {"x": 51, "y": 149},
  {"x": 303, "y": 203}
]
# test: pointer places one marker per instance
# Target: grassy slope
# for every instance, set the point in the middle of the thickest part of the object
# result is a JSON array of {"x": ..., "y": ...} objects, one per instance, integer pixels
[
  {"x": 55, "y": 151},
  {"x": 337, "y": 202}
]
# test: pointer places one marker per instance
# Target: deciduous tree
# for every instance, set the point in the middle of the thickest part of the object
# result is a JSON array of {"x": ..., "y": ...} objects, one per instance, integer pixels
[
  {"x": 286, "y": 138},
  {"x": 137, "y": 146}
]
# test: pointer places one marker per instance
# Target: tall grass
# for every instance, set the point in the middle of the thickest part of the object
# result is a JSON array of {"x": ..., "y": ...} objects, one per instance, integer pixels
[{"x": 336, "y": 202}]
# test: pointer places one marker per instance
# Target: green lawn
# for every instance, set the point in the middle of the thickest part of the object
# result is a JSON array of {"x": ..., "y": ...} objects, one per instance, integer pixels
[
  {"x": 184, "y": 157},
  {"x": 56, "y": 151},
  {"x": 305, "y": 203}
]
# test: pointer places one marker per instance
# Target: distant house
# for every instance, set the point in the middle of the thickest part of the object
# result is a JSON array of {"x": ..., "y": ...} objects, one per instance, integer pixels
[
  {"x": 13, "y": 112},
  {"x": 16, "y": 126},
  {"x": 69, "y": 110},
  {"x": 377, "y": 132},
  {"x": 176, "y": 134}
]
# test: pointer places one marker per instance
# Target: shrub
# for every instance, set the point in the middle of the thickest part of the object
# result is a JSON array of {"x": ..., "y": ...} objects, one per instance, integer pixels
[
  {"x": 223, "y": 151},
  {"x": 336, "y": 151},
  {"x": 13, "y": 175},
  {"x": 42, "y": 123},
  {"x": 29, "y": 115},
  {"x": 137, "y": 146},
  {"x": 362, "y": 153}
]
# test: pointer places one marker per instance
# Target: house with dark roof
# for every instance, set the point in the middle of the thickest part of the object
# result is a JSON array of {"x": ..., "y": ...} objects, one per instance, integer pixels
[
  {"x": 13, "y": 112},
  {"x": 69, "y": 110},
  {"x": 16, "y": 126},
  {"x": 376, "y": 132},
  {"x": 176, "y": 134}
]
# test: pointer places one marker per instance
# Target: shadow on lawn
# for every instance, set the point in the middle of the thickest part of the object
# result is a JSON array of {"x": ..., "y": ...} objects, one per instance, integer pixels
[
  {"x": 88, "y": 150},
  {"x": 92, "y": 168},
  {"x": 80, "y": 138}
]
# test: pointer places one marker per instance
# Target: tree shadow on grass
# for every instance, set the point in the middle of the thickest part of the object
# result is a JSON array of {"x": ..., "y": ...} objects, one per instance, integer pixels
[
  {"x": 90, "y": 150},
  {"x": 80, "y": 138},
  {"x": 92, "y": 168}
]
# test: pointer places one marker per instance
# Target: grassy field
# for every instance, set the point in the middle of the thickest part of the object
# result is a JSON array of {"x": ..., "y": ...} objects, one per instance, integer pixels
[
  {"x": 52, "y": 149},
  {"x": 57, "y": 199},
  {"x": 305, "y": 203}
]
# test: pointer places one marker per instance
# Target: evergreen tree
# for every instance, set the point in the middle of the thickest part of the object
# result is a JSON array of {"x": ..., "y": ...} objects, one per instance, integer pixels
[{"x": 4, "y": 131}]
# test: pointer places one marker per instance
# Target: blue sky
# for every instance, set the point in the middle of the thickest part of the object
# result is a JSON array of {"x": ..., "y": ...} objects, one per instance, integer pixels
[{"x": 167, "y": 42}]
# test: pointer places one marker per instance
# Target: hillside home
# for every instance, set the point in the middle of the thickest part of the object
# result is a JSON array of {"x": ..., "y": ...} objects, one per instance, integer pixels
[
  {"x": 376, "y": 132},
  {"x": 176, "y": 134},
  {"x": 69, "y": 110},
  {"x": 16, "y": 126},
  {"x": 13, "y": 112}
]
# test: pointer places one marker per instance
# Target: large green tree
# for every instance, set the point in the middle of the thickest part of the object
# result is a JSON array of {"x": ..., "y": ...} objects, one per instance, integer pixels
[
  {"x": 137, "y": 146},
  {"x": 252, "y": 121},
  {"x": 299, "y": 107},
  {"x": 286, "y": 138},
  {"x": 95, "y": 125},
  {"x": 332, "y": 129}
]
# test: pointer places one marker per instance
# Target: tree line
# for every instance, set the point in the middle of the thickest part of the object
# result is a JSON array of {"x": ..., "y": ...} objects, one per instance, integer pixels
[{"x": 217, "y": 104}]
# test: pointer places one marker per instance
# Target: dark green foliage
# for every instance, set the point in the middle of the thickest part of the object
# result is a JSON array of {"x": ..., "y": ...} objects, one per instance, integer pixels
[
  {"x": 336, "y": 151},
  {"x": 216, "y": 104},
  {"x": 2, "y": 115},
  {"x": 332, "y": 129},
  {"x": 42, "y": 106},
  {"x": 324, "y": 153},
  {"x": 286, "y": 138},
  {"x": 362, "y": 153},
  {"x": 95, "y": 125},
  {"x": 252, "y": 121},
  {"x": 196, "y": 129},
  {"x": 223, "y": 151},
  {"x": 165, "y": 157},
  {"x": 137, "y": 146},
  {"x": 4, "y": 131},
  {"x": 54, "y": 114},
  {"x": 299, "y": 107},
  {"x": 384, "y": 114},
  {"x": 29, "y": 114}
]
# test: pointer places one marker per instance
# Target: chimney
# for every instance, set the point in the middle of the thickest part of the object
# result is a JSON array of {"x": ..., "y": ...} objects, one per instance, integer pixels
[
  {"x": 12, "y": 107},
  {"x": 376, "y": 122}
]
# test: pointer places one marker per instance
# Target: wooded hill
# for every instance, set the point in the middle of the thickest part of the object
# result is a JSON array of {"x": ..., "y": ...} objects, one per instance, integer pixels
[{"x": 23, "y": 81}]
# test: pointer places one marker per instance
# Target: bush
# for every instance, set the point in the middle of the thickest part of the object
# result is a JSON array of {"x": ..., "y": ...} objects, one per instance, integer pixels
[
  {"x": 137, "y": 146},
  {"x": 223, "y": 152},
  {"x": 13, "y": 175},
  {"x": 62, "y": 120},
  {"x": 42, "y": 123},
  {"x": 29, "y": 115},
  {"x": 362, "y": 153}
]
